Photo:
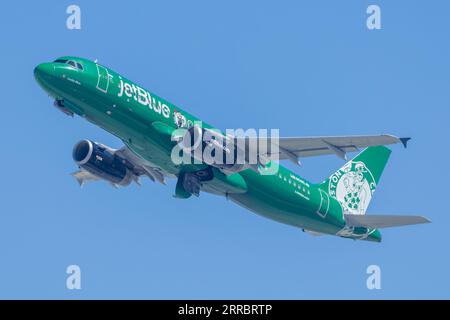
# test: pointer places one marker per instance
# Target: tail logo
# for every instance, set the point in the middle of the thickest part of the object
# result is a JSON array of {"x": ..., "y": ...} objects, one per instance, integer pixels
[{"x": 353, "y": 186}]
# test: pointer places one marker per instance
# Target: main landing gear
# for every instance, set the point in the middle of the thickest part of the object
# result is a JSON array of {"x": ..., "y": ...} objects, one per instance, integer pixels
[{"x": 189, "y": 183}]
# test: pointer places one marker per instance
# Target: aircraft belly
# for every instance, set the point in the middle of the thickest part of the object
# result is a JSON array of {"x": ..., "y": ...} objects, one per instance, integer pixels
[{"x": 282, "y": 211}]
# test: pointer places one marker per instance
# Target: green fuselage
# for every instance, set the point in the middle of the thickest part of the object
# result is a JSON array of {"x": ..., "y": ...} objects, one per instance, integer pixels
[{"x": 142, "y": 121}]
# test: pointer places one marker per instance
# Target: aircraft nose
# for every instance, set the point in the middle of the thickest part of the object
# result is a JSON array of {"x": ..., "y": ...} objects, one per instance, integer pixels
[
  {"x": 44, "y": 74},
  {"x": 42, "y": 70}
]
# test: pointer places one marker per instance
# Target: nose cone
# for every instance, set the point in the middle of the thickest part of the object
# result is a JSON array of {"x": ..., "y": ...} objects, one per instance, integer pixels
[
  {"x": 45, "y": 76},
  {"x": 43, "y": 70}
]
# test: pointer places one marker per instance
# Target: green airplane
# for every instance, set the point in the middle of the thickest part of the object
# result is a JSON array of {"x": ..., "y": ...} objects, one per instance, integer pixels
[{"x": 152, "y": 128}]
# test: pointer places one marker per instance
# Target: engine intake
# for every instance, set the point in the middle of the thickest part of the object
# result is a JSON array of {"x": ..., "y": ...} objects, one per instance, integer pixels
[{"x": 82, "y": 152}]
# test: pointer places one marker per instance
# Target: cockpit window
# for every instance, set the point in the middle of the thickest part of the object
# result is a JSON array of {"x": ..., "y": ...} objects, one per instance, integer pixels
[{"x": 72, "y": 63}]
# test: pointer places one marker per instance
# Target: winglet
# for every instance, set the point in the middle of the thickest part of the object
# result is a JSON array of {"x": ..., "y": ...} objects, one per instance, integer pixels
[{"x": 404, "y": 141}]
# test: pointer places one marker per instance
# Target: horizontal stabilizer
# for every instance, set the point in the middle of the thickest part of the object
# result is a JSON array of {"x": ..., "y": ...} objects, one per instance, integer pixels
[{"x": 383, "y": 221}]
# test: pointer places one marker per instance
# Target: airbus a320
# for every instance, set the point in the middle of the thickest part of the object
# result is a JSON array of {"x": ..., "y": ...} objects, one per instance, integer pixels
[{"x": 146, "y": 124}]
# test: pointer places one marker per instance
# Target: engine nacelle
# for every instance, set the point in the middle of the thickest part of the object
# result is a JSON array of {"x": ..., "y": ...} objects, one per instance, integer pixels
[
  {"x": 101, "y": 162},
  {"x": 203, "y": 144}
]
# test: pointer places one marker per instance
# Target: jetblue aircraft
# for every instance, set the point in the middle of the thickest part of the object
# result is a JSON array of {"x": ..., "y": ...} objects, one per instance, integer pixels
[{"x": 151, "y": 128}]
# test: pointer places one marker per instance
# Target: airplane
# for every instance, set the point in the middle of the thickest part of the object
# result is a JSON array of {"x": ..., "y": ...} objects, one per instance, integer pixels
[{"x": 151, "y": 127}]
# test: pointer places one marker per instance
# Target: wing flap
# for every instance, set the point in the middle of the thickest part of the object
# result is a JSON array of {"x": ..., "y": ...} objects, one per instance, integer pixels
[
  {"x": 383, "y": 221},
  {"x": 315, "y": 146},
  {"x": 290, "y": 148}
]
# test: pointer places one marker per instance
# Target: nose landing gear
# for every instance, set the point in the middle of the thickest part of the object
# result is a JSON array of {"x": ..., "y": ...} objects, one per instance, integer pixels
[{"x": 59, "y": 104}]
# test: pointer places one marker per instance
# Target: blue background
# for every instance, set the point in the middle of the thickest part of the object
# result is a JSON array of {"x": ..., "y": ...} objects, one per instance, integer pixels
[{"x": 307, "y": 68}]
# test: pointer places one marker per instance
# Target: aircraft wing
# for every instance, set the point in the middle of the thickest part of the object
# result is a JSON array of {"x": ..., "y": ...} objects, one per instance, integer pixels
[
  {"x": 383, "y": 221},
  {"x": 141, "y": 166},
  {"x": 293, "y": 148},
  {"x": 83, "y": 176}
]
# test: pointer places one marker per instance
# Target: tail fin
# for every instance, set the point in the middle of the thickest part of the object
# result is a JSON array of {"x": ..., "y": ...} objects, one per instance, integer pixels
[{"x": 354, "y": 184}]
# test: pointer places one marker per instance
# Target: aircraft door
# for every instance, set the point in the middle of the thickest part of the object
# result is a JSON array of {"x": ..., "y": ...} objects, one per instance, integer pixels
[{"x": 103, "y": 79}]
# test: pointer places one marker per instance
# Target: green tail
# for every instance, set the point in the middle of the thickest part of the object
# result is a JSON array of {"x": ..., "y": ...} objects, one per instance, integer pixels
[{"x": 354, "y": 184}]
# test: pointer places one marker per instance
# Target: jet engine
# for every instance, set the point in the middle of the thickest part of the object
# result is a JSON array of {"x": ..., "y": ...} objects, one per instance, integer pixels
[
  {"x": 102, "y": 162},
  {"x": 203, "y": 144}
]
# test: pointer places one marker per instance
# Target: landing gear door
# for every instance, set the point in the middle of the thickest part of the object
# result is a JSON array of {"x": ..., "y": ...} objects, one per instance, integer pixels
[
  {"x": 103, "y": 79},
  {"x": 324, "y": 204}
]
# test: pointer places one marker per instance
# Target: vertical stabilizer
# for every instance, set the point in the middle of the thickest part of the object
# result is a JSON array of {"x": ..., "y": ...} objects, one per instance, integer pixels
[{"x": 353, "y": 185}]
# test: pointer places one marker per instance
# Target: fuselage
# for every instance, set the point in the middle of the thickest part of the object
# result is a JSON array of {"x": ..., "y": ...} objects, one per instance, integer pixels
[{"x": 141, "y": 120}]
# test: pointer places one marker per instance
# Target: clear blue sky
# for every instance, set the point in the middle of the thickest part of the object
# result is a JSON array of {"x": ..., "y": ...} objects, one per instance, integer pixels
[{"x": 305, "y": 67}]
